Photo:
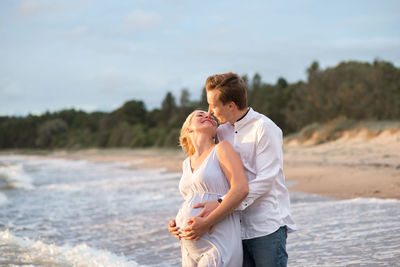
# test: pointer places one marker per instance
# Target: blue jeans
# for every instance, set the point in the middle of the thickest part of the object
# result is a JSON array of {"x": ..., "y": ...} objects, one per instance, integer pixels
[{"x": 266, "y": 251}]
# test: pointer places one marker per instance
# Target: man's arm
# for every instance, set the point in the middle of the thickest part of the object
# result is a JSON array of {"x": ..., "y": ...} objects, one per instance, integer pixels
[{"x": 268, "y": 164}]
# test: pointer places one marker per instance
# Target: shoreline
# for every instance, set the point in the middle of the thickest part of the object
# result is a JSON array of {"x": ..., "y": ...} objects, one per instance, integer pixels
[{"x": 341, "y": 169}]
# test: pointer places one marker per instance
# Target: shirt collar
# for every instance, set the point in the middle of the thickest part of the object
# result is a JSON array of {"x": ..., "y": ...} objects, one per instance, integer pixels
[
  {"x": 248, "y": 109},
  {"x": 246, "y": 117}
]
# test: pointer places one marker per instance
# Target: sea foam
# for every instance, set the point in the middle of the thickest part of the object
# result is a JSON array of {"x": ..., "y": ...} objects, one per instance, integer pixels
[
  {"x": 13, "y": 176},
  {"x": 23, "y": 251}
]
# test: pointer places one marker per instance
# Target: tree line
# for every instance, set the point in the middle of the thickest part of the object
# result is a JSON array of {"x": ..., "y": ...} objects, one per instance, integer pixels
[{"x": 355, "y": 90}]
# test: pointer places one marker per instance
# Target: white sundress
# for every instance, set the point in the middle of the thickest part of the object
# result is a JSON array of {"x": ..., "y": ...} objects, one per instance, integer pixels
[{"x": 224, "y": 246}]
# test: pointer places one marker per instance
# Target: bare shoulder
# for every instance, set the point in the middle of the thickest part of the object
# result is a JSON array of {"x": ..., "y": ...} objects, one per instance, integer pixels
[
  {"x": 224, "y": 148},
  {"x": 229, "y": 159}
]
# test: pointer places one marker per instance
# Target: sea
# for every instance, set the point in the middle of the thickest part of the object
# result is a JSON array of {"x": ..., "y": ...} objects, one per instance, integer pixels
[{"x": 62, "y": 212}]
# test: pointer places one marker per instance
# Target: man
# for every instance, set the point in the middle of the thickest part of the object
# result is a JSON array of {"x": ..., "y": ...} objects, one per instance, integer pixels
[{"x": 265, "y": 212}]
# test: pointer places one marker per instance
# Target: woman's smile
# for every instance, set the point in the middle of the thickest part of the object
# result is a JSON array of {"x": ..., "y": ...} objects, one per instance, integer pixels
[{"x": 209, "y": 120}]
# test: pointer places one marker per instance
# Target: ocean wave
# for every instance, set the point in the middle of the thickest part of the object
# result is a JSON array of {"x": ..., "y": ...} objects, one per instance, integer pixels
[
  {"x": 23, "y": 251},
  {"x": 13, "y": 176},
  {"x": 3, "y": 199},
  {"x": 371, "y": 200}
]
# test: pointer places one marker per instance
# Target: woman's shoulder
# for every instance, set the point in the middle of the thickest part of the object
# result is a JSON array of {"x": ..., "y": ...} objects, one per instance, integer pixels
[
  {"x": 224, "y": 147},
  {"x": 223, "y": 144}
]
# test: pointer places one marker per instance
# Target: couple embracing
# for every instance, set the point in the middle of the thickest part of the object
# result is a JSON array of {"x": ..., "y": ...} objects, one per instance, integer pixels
[{"x": 234, "y": 172}]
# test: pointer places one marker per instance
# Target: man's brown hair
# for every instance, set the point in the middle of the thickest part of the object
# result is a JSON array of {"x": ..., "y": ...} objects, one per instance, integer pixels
[{"x": 231, "y": 88}]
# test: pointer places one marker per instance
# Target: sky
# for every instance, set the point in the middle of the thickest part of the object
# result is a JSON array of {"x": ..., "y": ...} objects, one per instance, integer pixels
[{"x": 96, "y": 55}]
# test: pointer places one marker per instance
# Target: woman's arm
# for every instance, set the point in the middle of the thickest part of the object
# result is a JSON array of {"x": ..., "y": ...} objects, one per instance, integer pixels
[
  {"x": 232, "y": 167},
  {"x": 173, "y": 229}
]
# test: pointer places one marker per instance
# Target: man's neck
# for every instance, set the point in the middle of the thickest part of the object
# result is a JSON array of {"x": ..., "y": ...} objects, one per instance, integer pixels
[{"x": 238, "y": 115}]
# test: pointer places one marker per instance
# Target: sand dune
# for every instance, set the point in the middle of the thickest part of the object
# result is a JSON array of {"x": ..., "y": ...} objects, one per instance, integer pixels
[{"x": 358, "y": 164}]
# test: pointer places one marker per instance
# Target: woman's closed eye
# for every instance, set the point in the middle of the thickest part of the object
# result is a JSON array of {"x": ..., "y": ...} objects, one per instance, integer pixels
[{"x": 202, "y": 115}]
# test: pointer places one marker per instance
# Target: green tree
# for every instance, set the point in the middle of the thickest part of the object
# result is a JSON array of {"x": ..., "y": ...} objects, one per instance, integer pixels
[
  {"x": 132, "y": 112},
  {"x": 168, "y": 110},
  {"x": 49, "y": 130},
  {"x": 203, "y": 104},
  {"x": 184, "y": 100}
]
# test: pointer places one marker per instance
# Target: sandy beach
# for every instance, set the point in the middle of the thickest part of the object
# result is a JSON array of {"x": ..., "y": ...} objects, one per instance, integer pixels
[
  {"x": 355, "y": 165},
  {"x": 358, "y": 164}
]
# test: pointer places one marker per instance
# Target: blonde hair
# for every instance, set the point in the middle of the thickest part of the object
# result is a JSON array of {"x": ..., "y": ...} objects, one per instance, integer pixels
[{"x": 184, "y": 139}]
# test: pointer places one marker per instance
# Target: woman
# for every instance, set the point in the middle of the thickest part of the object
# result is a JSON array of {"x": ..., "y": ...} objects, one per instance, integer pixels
[{"x": 210, "y": 172}]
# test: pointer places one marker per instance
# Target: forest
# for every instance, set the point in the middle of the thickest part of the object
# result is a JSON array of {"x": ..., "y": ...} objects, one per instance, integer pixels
[{"x": 352, "y": 90}]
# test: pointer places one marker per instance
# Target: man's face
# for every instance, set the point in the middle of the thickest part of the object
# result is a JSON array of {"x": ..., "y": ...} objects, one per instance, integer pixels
[{"x": 215, "y": 107}]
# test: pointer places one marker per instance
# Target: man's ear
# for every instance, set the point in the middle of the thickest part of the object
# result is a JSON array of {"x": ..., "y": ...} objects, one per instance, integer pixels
[{"x": 232, "y": 105}]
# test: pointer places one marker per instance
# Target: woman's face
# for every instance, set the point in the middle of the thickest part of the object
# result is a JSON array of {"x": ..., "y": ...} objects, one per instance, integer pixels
[{"x": 202, "y": 120}]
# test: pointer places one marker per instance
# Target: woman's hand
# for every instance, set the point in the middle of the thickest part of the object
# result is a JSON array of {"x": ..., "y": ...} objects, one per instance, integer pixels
[
  {"x": 173, "y": 229},
  {"x": 197, "y": 227}
]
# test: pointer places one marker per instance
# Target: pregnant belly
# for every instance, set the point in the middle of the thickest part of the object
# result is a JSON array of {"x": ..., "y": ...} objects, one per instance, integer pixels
[
  {"x": 203, "y": 248},
  {"x": 185, "y": 213}
]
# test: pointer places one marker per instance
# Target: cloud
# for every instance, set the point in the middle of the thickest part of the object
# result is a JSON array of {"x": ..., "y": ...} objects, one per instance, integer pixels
[
  {"x": 142, "y": 20},
  {"x": 32, "y": 8},
  {"x": 79, "y": 31},
  {"x": 28, "y": 8}
]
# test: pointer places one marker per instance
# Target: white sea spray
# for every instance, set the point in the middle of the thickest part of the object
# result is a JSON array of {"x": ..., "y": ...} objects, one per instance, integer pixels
[
  {"x": 23, "y": 251},
  {"x": 13, "y": 176}
]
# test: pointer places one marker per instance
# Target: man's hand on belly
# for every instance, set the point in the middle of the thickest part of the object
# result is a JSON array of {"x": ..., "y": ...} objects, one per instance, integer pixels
[
  {"x": 207, "y": 206},
  {"x": 198, "y": 225}
]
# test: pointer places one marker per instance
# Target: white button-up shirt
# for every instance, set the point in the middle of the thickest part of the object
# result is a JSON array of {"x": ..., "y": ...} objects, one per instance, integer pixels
[{"x": 258, "y": 140}]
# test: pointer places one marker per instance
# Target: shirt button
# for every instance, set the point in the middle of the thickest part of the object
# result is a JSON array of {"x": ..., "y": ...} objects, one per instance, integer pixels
[{"x": 235, "y": 131}]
